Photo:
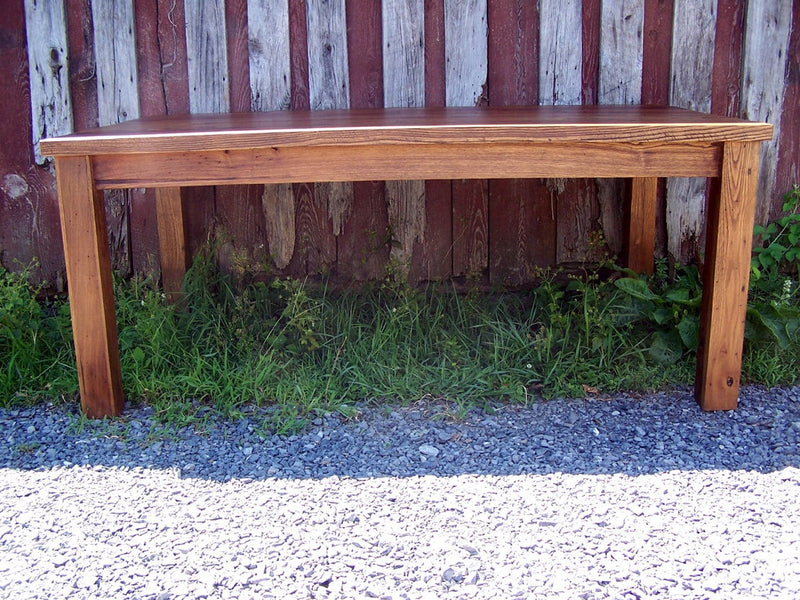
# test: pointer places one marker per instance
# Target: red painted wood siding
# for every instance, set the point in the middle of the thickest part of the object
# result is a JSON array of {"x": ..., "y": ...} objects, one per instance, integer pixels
[{"x": 497, "y": 231}]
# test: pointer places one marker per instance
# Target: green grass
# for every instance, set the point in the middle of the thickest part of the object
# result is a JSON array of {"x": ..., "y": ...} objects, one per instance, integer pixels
[{"x": 303, "y": 349}]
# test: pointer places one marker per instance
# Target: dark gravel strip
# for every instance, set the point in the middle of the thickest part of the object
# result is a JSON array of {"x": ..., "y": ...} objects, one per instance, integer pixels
[{"x": 605, "y": 498}]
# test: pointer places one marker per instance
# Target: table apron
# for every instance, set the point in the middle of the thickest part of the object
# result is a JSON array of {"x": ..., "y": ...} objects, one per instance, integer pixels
[{"x": 488, "y": 160}]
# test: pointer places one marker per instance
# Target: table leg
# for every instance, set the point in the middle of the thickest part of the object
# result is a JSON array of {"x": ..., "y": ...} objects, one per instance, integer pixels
[
  {"x": 83, "y": 227},
  {"x": 726, "y": 277},
  {"x": 171, "y": 240},
  {"x": 642, "y": 224}
]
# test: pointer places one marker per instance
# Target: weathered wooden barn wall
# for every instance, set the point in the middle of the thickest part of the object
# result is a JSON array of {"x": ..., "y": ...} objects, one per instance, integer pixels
[{"x": 76, "y": 64}]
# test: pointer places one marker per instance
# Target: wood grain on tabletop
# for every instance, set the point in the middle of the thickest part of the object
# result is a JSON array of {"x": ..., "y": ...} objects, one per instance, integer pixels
[{"x": 404, "y": 125}]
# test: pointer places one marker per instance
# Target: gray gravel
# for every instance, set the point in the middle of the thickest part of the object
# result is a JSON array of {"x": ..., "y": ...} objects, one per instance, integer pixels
[{"x": 603, "y": 498}]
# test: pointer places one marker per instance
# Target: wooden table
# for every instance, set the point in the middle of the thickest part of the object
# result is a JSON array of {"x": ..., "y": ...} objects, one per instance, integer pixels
[{"x": 642, "y": 143}]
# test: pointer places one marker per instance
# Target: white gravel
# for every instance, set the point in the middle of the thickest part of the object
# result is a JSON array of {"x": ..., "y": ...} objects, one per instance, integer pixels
[{"x": 614, "y": 498}]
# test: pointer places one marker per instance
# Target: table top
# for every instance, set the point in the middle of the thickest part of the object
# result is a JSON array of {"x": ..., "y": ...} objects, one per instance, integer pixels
[{"x": 428, "y": 125}]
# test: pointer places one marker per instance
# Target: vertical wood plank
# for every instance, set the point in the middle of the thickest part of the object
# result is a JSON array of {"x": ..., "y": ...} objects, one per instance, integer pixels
[
  {"x": 328, "y": 82},
  {"x": 82, "y": 67},
  {"x": 277, "y": 205},
  {"x": 48, "y": 60},
  {"x": 561, "y": 82},
  {"x": 590, "y": 49},
  {"x": 725, "y": 279},
  {"x": 313, "y": 240},
  {"x": 270, "y": 83},
  {"x": 329, "y": 88},
  {"x": 163, "y": 89},
  {"x": 466, "y": 52},
  {"x": 466, "y": 39},
  {"x": 434, "y": 260},
  {"x": 172, "y": 240},
  {"x": 207, "y": 76},
  {"x": 620, "y": 82},
  {"x": 207, "y": 53},
  {"x": 117, "y": 101},
  {"x": 521, "y": 222},
  {"x": 728, "y": 43},
  {"x": 161, "y": 59},
  {"x": 238, "y": 208},
  {"x": 362, "y": 246},
  {"x": 435, "y": 59},
  {"x": 237, "y": 33},
  {"x": 788, "y": 170},
  {"x": 641, "y": 232},
  {"x": 766, "y": 46},
  {"x": 560, "y": 52},
  {"x": 268, "y": 41},
  {"x": 143, "y": 219},
  {"x": 29, "y": 221},
  {"x": 621, "y": 46},
  {"x": 692, "y": 69},
  {"x": 403, "y": 24},
  {"x": 117, "y": 77},
  {"x": 91, "y": 296},
  {"x": 656, "y": 54},
  {"x": 656, "y": 51}
]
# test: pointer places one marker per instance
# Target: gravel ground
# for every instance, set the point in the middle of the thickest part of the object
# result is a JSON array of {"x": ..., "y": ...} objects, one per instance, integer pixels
[{"x": 605, "y": 498}]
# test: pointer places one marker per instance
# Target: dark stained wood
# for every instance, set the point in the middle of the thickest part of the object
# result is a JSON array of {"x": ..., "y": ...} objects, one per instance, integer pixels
[
  {"x": 314, "y": 245},
  {"x": 590, "y": 67},
  {"x": 727, "y": 82},
  {"x": 164, "y": 90},
  {"x": 28, "y": 208},
  {"x": 161, "y": 63},
  {"x": 143, "y": 220},
  {"x": 434, "y": 259},
  {"x": 726, "y": 87},
  {"x": 573, "y": 202},
  {"x": 513, "y": 53},
  {"x": 362, "y": 249},
  {"x": 242, "y": 248},
  {"x": 82, "y": 72},
  {"x": 470, "y": 227},
  {"x": 434, "y": 53},
  {"x": 788, "y": 171},
  {"x": 521, "y": 222},
  {"x": 656, "y": 52},
  {"x": 466, "y": 53},
  {"x": 174, "y": 62},
  {"x": 238, "y": 54}
]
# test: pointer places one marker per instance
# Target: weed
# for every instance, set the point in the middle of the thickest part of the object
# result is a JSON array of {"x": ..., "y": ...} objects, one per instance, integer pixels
[
  {"x": 35, "y": 343},
  {"x": 28, "y": 447},
  {"x": 777, "y": 251},
  {"x": 233, "y": 343}
]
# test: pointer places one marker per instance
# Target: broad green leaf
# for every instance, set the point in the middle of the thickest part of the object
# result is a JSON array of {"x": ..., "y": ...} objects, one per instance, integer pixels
[
  {"x": 636, "y": 288},
  {"x": 689, "y": 330},
  {"x": 680, "y": 295},
  {"x": 771, "y": 320},
  {"x": 666, "y": 347},
  {"x": 662, "y": 315}
]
